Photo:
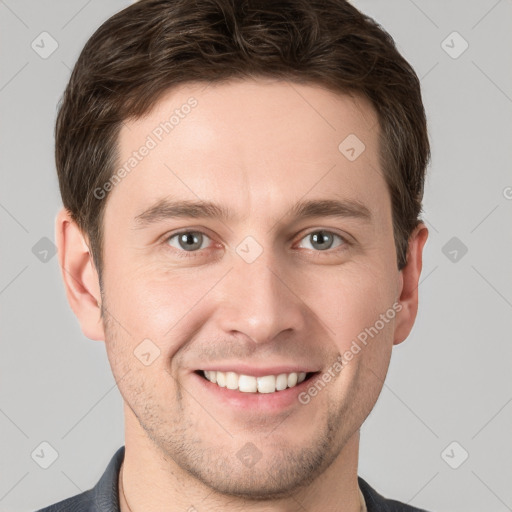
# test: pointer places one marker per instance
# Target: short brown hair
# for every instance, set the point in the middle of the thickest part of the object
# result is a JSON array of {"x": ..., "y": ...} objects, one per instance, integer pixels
[{"x": 142, "y": 51}]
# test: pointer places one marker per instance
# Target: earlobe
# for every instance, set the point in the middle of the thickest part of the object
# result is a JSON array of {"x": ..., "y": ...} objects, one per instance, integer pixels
[
  {"x": 409, "y": 277},
  {"x": 79, "y": 275}
]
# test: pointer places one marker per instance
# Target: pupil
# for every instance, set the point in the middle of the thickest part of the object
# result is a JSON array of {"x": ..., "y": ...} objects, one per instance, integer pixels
[
  {"x": 321, "y": 238},
  {"x": 187, "y": 238}
]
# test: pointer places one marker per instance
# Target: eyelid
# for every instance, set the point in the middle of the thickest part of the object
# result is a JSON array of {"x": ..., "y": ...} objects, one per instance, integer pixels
[
  {"x": 344, "y": 238},
  {"x": 347, "y": 243},
  {"x": 183, "y": 253}
]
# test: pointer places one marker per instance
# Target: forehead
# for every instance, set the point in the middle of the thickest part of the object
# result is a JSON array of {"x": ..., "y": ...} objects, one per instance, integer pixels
[{"x": 255, "y": 145}]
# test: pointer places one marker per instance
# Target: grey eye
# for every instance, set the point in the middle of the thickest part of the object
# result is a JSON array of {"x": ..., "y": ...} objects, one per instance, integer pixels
[
  {"x": 321, "y": 239},
  {"x": 188, "y": 240}
]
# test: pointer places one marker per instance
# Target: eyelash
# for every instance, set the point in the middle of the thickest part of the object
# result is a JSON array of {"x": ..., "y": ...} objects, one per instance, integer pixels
[{"x": 192, "y": 254}]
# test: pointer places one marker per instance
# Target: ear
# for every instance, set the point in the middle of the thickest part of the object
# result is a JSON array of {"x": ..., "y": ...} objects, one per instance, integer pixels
[
  {"x": 79, "y": 275},
  {"x": 409, "y": 277}
]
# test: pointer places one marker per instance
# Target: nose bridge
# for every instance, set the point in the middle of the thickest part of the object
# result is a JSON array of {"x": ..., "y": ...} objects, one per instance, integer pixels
[{"x": 257, "y": 300}]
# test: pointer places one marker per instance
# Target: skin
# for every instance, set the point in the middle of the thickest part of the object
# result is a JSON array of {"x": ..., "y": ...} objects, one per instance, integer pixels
[{"x": 258, "y": 147}]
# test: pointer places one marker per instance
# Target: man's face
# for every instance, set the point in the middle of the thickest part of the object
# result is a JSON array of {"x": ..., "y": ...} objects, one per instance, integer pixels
[{"x": 261, "y": 289}]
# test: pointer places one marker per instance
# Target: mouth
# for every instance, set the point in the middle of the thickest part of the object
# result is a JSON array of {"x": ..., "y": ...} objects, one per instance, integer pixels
[
  {"x": 250, "y": 384},
  {"x": 261, "y": 395}
]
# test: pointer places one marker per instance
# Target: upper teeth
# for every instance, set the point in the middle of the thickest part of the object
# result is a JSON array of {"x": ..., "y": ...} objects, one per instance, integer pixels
[{"x": 250, "y": 384}]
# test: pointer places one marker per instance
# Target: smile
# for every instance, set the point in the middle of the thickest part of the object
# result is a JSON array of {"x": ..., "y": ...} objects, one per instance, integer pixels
[{"x": 251, "y": 384}]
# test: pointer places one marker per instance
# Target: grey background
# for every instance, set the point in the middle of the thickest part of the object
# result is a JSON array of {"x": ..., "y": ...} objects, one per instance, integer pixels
[{"x": 450, "y": 381}]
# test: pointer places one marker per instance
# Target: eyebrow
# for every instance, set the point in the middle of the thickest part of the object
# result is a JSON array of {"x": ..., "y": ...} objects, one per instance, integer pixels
[{"x": 169, "y": 209}]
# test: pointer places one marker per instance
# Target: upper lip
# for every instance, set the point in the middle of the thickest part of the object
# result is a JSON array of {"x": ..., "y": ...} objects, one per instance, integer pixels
[{"x": 244, "y": 369}]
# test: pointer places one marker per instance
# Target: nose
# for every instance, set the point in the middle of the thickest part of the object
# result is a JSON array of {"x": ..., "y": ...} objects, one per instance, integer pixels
[{"x": 258, "y": 300}]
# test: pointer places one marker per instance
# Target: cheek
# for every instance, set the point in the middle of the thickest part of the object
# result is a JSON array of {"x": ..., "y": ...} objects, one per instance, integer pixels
[
  {"x": 166, "y": 308},
  {"x": 353, "y": 300}
]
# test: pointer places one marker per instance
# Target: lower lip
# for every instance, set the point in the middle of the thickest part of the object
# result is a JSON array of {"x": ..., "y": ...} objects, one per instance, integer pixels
[{"x": 264, "y": 402}]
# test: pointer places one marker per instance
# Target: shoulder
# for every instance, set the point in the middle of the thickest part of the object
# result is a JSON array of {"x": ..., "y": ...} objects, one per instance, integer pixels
[
  {"x": 103, "y": 497},
  {"x": 80, "y": 503},
  {"x": 375, "y": 502}
]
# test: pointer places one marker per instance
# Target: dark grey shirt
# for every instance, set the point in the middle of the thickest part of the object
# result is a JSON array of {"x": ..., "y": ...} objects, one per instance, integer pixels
[{"x": 104, "y": 496}]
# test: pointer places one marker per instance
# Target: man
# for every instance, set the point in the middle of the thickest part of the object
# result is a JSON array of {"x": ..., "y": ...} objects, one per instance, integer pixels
[{"x": 242, "y": 183}]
